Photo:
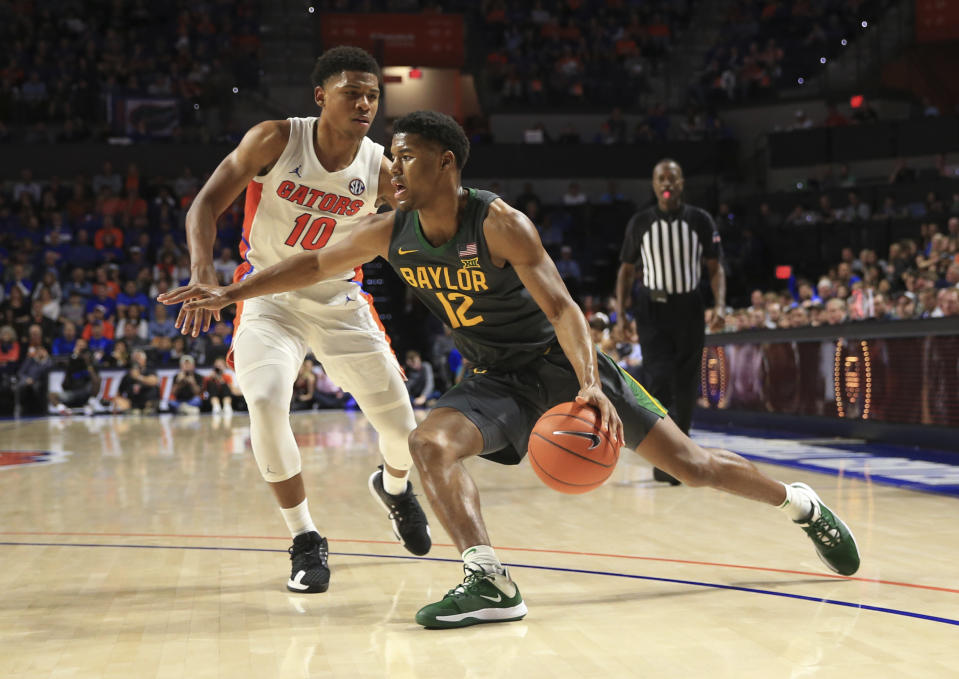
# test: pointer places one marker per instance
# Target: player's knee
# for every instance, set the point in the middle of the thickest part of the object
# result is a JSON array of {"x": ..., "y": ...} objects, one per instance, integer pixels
[
  {"x": 262, "y": 402},
  {"x": 430, "y": 447}
]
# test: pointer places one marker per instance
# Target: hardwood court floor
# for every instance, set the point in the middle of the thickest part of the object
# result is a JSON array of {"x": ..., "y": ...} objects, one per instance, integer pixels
[{"x": 153, "y": 549}]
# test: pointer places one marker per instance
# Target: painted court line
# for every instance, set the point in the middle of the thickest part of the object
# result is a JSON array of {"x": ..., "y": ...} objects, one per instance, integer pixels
[
  {"x": 925, "y": 471},
  {"x": 685, "y": 562},
  {"x": 691, "y": 583}
]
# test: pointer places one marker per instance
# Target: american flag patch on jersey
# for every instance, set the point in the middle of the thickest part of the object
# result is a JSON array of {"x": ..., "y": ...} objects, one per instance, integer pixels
[{"x": 468, "y": 250}]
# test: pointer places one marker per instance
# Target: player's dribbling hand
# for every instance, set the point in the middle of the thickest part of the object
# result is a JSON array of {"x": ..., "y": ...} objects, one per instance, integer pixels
[
  {"x": 199, "y": 299},
  {"x": 594, "y": 396},
  {"x": 194, "y": 320}
]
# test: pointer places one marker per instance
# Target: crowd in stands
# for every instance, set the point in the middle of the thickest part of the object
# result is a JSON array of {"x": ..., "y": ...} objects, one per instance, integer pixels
[
  {"x": 859, "y": 111},
  {"x": 914, "y": 277},
  {"x": 81, "y": 262},
  {"x": 68, "y": 71},
  {"x": 914, "y": 280},
  {"x": 561, "y": 52},
  {"x": 655, "y": 125},
  {"x": 765, "y": 45},
  {"x": 66, "y": 68}
]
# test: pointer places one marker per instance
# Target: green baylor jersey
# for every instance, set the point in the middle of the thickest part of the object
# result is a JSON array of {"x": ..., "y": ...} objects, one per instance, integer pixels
[{"x": 495, "y": 320}]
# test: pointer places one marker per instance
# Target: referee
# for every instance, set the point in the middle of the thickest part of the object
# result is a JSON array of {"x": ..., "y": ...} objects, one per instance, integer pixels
[{"x": 666, "y": 245}]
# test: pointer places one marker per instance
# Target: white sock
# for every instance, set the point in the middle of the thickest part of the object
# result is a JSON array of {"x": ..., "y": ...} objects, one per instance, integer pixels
[
  {"x": 298, "y": 519},
  {"x": 394, "y": 485},
  {"x": 799, "y": 505},
  {"x": 483, "y": 557}
]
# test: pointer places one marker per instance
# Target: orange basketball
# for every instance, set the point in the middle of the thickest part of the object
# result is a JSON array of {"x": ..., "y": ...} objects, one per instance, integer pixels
[{"x": 570, "y": 451}]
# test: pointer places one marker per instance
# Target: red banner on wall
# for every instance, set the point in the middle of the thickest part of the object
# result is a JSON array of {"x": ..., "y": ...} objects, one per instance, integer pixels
[
  {"x": 405, "y": 39},
  {"x": 937, "y": 20}
]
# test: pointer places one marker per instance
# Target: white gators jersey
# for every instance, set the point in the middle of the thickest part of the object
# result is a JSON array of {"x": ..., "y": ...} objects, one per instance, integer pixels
[{"x": 299, "y": 206}]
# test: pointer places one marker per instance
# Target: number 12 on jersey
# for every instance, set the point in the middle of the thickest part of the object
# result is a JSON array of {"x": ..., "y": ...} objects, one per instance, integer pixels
[
  {"x": 320, "y": 231},
  {"x": 458, "y": 317}
]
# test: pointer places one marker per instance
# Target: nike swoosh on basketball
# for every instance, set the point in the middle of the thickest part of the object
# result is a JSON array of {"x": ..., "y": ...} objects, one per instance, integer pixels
[
  {"x": 594, "y": 438},
  {"x": 499, "y": 597},
  {"x": 401, "y": 251}
]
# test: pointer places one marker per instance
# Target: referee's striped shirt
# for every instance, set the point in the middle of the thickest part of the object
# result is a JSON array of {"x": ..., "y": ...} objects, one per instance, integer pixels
[{"x": 669, "y": 248}]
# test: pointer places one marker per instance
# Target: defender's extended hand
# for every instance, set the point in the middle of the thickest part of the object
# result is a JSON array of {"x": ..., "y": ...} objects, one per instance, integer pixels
[
  {"x": 198, "y": 297},
  {"x": 197, "y": 320}
]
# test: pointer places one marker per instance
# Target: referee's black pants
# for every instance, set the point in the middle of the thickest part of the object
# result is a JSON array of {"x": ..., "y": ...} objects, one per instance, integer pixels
[{"x": 671, "y": 335}]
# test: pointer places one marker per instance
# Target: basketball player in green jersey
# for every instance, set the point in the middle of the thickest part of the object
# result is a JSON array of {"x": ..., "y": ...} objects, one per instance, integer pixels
[{"x": 479, "y": 265}]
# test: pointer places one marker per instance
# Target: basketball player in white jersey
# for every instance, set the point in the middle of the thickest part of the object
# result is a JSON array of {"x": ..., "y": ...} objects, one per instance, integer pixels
[{"x": 307, "y": 181}]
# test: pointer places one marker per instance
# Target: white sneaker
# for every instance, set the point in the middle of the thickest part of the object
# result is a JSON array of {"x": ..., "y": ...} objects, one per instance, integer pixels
[
  {"x": 217, "y": 410},
  {"x": 227, "y": 409}
]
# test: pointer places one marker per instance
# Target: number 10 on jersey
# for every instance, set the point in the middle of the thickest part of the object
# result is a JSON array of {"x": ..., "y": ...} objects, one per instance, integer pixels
[{"x": 320, "y": 231}]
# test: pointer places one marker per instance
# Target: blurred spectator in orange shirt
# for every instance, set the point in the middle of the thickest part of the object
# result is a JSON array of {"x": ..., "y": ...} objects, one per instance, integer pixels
[{"x": 111, "y": 228}]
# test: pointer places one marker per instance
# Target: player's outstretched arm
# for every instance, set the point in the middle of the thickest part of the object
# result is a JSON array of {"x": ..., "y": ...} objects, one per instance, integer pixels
[
  {"x": 259, "y": 149},
  {"x": 369, "y": 238},
  {"x": 513, "y": 238}
]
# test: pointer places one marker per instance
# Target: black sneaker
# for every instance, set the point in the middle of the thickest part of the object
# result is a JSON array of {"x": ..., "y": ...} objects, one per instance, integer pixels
[
  {"x": 309, "y": 554},
  {"x": 409, "y": 522},
  {"x": 660, "y": 475}
]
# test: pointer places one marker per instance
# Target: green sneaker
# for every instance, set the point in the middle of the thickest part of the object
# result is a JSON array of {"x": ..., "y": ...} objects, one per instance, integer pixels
[
  {"x": 475, "y": 601},
  {"x": 834, "y": 541}
]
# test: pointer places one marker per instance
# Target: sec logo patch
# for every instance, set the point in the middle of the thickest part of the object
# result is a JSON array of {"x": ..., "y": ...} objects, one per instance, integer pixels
[
  {"x": 17, "y": 459},
  {"x": 357, "y": 186}
]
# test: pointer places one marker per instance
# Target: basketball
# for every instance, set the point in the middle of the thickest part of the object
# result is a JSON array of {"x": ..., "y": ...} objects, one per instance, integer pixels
[{"x": 570, "y": 451}]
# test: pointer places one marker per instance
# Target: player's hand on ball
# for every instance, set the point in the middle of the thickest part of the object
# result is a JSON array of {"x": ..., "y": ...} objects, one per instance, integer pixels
[{"x": 594, "y": 396}]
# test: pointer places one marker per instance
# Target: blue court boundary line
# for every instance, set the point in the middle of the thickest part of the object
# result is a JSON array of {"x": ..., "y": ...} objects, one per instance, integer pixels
[
  {"x": 873, "y": 477},
  {"x": 851, "y": 443},
  {"x": 877, "y": 451},
  {"x": 557, "y": 569}
]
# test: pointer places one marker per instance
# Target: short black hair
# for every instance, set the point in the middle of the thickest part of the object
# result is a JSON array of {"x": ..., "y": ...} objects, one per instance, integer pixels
[
  {"x": 344, "y": 58},
  {"x": 668, "y": 161},
  {"x": 439, "y": 128}
]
